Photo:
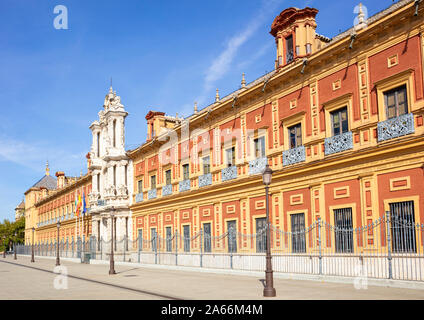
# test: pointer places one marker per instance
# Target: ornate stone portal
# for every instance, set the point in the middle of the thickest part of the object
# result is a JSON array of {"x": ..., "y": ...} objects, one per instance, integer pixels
[{"x": 111, "y": 171}]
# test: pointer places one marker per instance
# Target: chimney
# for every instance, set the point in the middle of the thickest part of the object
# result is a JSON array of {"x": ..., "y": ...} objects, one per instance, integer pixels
[{"x": 294, "y": 33}]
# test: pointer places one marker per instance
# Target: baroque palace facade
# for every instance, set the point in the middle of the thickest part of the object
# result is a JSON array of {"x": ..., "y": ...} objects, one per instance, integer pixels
[{"x": 339, "y": 121}]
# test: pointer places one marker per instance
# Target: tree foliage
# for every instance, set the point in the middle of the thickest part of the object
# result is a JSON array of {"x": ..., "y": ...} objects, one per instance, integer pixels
[{"x": 8, "y": 230}]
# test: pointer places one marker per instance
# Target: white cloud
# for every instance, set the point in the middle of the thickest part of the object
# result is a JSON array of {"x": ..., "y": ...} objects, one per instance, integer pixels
[
  {"x": 222, "y": 63},
  {"x": 35, "y": 155}
]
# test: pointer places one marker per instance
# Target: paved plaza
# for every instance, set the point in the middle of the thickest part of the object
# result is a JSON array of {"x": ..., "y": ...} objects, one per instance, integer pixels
[{"x": 26, "y": 280}]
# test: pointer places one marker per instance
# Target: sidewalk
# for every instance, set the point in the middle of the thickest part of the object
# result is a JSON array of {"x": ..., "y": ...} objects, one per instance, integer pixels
[{"x": 26, "y": 280}]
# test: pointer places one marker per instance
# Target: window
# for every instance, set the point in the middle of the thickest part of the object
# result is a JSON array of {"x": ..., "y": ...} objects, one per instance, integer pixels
[
  {"x": 232, "y": 236},
  {"x": 206, "y": 165},
  {"x": 168, "y": 177},
  {"x": 168, "y": 239},
  {"x": 231, "y": 156},
  {"x": 207, "y": 237},
  {"x": 140, "y": 238},
  {"x": 298, "y": 233},
  {"x": 344, "y": 230},
  {"x": 186, "y": 231},
  {"x": 260, "y": 235},
  {"x": 396, "y": 102},
  {"x": 295, "y": 136},
  {"x": 339, "y": 121},
  {"x": 260, "y": 147},
  {"x": 402, "y": 218},
  {"x": 114, "y": 176},
  {"x": 308, "y": 48},
  {"x": 153, "y": 239},
  {"x": 186, "y": 171},
  {"x": 98, "y": 182},
  {"x": 114, "y": 133},
  {"x": 126, "y": 174},
  {"x": 140, "y": 186},
  {"x": 289, "y": 49},
  {"x": 98, "y": 144},
  {"x": 153, "y": 182}
]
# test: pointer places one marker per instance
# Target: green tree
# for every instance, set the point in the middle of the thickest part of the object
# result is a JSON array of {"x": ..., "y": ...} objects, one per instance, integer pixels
[{"x": 11, "y": 232}]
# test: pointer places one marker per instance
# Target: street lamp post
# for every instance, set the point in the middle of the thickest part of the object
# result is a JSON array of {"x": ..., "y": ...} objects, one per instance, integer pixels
[
  {"x": 32, "y": 245},
  {"x": 269, "y": 290},
  {"x": 112, "y": 262},
  {"x": 57, "y": 251},
  {"x": 14, "y": 249}
]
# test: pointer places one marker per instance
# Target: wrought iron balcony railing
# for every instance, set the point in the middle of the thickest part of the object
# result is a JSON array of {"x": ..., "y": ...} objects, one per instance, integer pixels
[
  {"x": 101, "y": 203},
  {"x": 289, "y": 56},
  {"x": 258, "y": 166},
  {"x": 339, "y": 143},
  {"x": 294, "y": 156},
  {"x": 184, "y": 185},
  {"x": 152, "y": 194},
  {"x": 139, "y": 197},
  {"x": 229, "y": 173},
  {"x": 205, "y": 180},
  {"x": 167, "y": 190},
  {"x": 396, "y": 127}
]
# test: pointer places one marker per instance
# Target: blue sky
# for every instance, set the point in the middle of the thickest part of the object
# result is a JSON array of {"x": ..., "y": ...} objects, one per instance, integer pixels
[{"x": 162, "y": 55}]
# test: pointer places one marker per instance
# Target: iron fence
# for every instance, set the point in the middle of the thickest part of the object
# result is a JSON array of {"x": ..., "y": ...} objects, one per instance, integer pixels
[{"x": 389, "y": 248}]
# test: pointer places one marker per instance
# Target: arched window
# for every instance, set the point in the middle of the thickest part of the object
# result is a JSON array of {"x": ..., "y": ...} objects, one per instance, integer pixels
[
  {"x": 114, "y": 133},
  {"x": 98, "y": 144}
]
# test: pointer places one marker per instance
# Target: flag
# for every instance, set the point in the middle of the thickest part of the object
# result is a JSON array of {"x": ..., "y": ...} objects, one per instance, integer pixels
[
  {"x": 79, "y": 205},
  {"x": 76, "y": 205},
  {"x": 84, "y": 208}
]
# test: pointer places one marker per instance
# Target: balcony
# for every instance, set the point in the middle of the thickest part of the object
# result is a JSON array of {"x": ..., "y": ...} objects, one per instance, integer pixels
[
  {"x": 184, "y": 185},
  {"x": 138, "y": 197},
  {"x": 101, "y": 203},
  {"x": 396, "y": 127},
  {"x": 152, "y": 194},
  {"x": 293, "y": 156},
  {"x": 258, "y": 166},
  {"x": 167, "y": 190},
  {"x": 205, "y": 180},
  {"x": 289, "y": 57},
  {"x": 339, "y": 143},
  {"x": 229, "y": 173}
]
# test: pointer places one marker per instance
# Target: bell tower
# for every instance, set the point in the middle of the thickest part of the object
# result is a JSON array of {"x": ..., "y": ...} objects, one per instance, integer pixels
[
  {"x": 110, "y": 169},
  {"x": 295, "y": 36}
]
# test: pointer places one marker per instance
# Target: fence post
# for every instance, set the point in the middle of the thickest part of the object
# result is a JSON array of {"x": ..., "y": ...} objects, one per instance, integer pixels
[
  {"x": 140, "y": 243},
  {"x": 156, "y": 248},
  {"x": 230, "y": 238},
  {"x": 101, "y": 247},
  {"x": 176, "y": 247},
  {"x": 389, "y": 245},
  {"x": 125, "y": 246},
  {"x": 319, "y": 246},
  {"x": 201, "y": 248}
]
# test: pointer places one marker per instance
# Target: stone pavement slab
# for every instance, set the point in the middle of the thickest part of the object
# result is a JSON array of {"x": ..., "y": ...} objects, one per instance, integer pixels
[{"x": 26, "y": 280}]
